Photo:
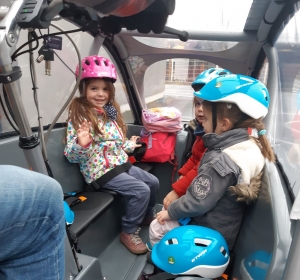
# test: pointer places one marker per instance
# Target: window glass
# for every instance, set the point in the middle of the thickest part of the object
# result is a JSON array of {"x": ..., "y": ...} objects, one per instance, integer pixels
[
  {"x": 287, "y": 136},
  {"x": 213, "y": 15},
  {"x": 54, "y": 90},
  {"x": 168, "y": 82}
]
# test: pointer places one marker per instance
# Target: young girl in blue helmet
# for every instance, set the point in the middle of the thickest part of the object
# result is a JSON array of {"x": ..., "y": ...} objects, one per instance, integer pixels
[
  {"x": 195, "y": 129},
  {"x": 229, "y": 174},
  {"x": 96, "y": 139}
]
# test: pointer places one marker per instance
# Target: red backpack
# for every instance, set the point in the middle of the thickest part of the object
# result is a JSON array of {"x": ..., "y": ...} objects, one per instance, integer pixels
[
  {"x": 160, "y": 146},
  {"x": 161, "y": 126}
]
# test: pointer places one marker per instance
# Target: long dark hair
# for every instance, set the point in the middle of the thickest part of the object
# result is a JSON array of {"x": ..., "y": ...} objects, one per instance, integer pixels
[{"x": 81, "y": 110}]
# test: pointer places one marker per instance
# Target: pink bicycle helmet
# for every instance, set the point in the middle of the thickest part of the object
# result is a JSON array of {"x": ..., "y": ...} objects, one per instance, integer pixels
[{"x": 96, "y": 66}]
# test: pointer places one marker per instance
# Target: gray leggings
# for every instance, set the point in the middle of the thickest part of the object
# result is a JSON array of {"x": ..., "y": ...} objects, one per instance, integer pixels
[{"x": 139, "y": 188}]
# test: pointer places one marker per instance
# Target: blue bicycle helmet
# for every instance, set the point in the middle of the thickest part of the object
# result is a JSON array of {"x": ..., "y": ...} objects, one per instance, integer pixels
[
  {"x": 256, "y": 265},
  {"x": 192, "y": 250},
  {"x": 69, "y": 214},
  {"x": 207, "y": 75},
  {"x": 249, "y": 94}
]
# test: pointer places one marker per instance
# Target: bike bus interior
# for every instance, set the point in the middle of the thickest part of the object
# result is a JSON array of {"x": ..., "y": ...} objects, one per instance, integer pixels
[{"x": 156, "y": 62}]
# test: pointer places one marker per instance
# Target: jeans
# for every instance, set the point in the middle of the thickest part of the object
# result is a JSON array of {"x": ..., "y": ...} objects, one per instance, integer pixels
[
  {"x": 32, "y": 226},
  {"x": 139, "y": 189}
]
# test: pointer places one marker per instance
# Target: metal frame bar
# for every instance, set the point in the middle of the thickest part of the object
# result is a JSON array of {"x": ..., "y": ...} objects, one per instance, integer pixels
[
  {"x": 8, "y": 39},
  {"x": 244, "y": 36},
  {"x": 273, "y": 87}
]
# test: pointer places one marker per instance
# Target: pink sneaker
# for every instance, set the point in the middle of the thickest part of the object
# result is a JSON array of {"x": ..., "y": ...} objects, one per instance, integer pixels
[{"x": 133, "y": 242}]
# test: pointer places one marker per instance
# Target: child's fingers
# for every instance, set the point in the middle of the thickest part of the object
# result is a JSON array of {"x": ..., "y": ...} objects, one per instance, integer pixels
[
  {"x": 85, "y": 125},
  {"x": 161, "y": 221},
  {"x": 159, "y": 217},
  {"x": 166, "y": 204}
]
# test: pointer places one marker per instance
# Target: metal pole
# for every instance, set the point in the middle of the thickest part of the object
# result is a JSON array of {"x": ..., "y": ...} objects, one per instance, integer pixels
[{"x": 9, "y": 33}]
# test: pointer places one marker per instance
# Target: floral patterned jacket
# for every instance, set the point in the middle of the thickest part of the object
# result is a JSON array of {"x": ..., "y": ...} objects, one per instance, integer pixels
[{"x": 103, "y": 154}]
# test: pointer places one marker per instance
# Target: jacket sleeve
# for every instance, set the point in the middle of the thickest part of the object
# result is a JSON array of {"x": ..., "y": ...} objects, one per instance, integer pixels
[
  {"x": 181, "y": 185},
  {"x": 197, "y": 153},
  {"x": 203, "y": 194},
  {"x": 189, "y": 165},
  {"x": 73, "y": 151},
  {"x": 128, "y": 146}
]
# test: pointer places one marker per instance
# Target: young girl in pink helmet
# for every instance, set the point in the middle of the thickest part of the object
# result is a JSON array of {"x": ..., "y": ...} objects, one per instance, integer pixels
[{"x": 96, "y": 139}]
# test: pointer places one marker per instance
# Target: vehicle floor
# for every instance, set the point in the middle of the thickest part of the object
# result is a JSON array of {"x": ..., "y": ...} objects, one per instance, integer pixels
[{"x": 118, "y": 263}]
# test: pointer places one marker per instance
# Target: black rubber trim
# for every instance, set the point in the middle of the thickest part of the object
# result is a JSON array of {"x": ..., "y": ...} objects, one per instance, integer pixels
[
  {"x": 28, "y": 143},
  {"x": 9, "y": 134},
  {"x": 11, "y": 76},
  {"x": 259, "y": 64},
  {"x": 282, "y": 18},
  {"x": 285, "y": 179}
]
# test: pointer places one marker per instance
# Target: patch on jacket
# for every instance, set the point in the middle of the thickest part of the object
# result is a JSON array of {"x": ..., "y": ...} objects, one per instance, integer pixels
[{"x": 201, "y": 186}]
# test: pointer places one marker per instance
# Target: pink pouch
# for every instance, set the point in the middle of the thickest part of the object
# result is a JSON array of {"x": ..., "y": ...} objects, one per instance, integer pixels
[{"x": 162, "y": 119}]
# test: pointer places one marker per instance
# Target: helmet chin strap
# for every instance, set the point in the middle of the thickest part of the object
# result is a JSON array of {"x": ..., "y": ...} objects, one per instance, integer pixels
[
  {"x": 214, "y": 115},
  {"x": 83, "y": 88},
  {"x": 241, "y": 120}
]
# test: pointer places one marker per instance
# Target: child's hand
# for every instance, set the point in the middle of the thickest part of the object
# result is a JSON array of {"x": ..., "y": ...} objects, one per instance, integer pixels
[
  {"x": 84, "y": 135},
  {"x": 162, "y": 216},
  {"x": 171, "y": 196},
  {"x": 134, "y": 139}
]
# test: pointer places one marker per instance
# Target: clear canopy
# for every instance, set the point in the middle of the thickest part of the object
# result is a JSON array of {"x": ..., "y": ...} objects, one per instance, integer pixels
[
  {"x": 213, "y": 15},
  {"x": 195, "y": 15}
]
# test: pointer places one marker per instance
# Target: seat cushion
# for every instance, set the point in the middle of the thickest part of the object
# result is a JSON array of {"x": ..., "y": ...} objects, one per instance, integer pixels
[{"x": 86, "y": 212}]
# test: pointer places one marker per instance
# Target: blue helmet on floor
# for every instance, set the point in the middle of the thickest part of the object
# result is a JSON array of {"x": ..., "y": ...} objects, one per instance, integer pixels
[
  {"x": 256, "y": 265},
  {"x": 206, "y": 76},
  {"x": 249, "y": 94},
  {"x": 192, "y": 250}
]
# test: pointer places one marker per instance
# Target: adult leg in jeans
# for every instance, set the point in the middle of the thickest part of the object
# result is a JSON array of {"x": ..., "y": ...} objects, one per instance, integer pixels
[{"x": 32, "y": 227}]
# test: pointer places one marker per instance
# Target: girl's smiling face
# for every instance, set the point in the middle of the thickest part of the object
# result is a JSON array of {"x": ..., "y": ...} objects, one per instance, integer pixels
[{"x": 97, "y": 93}]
